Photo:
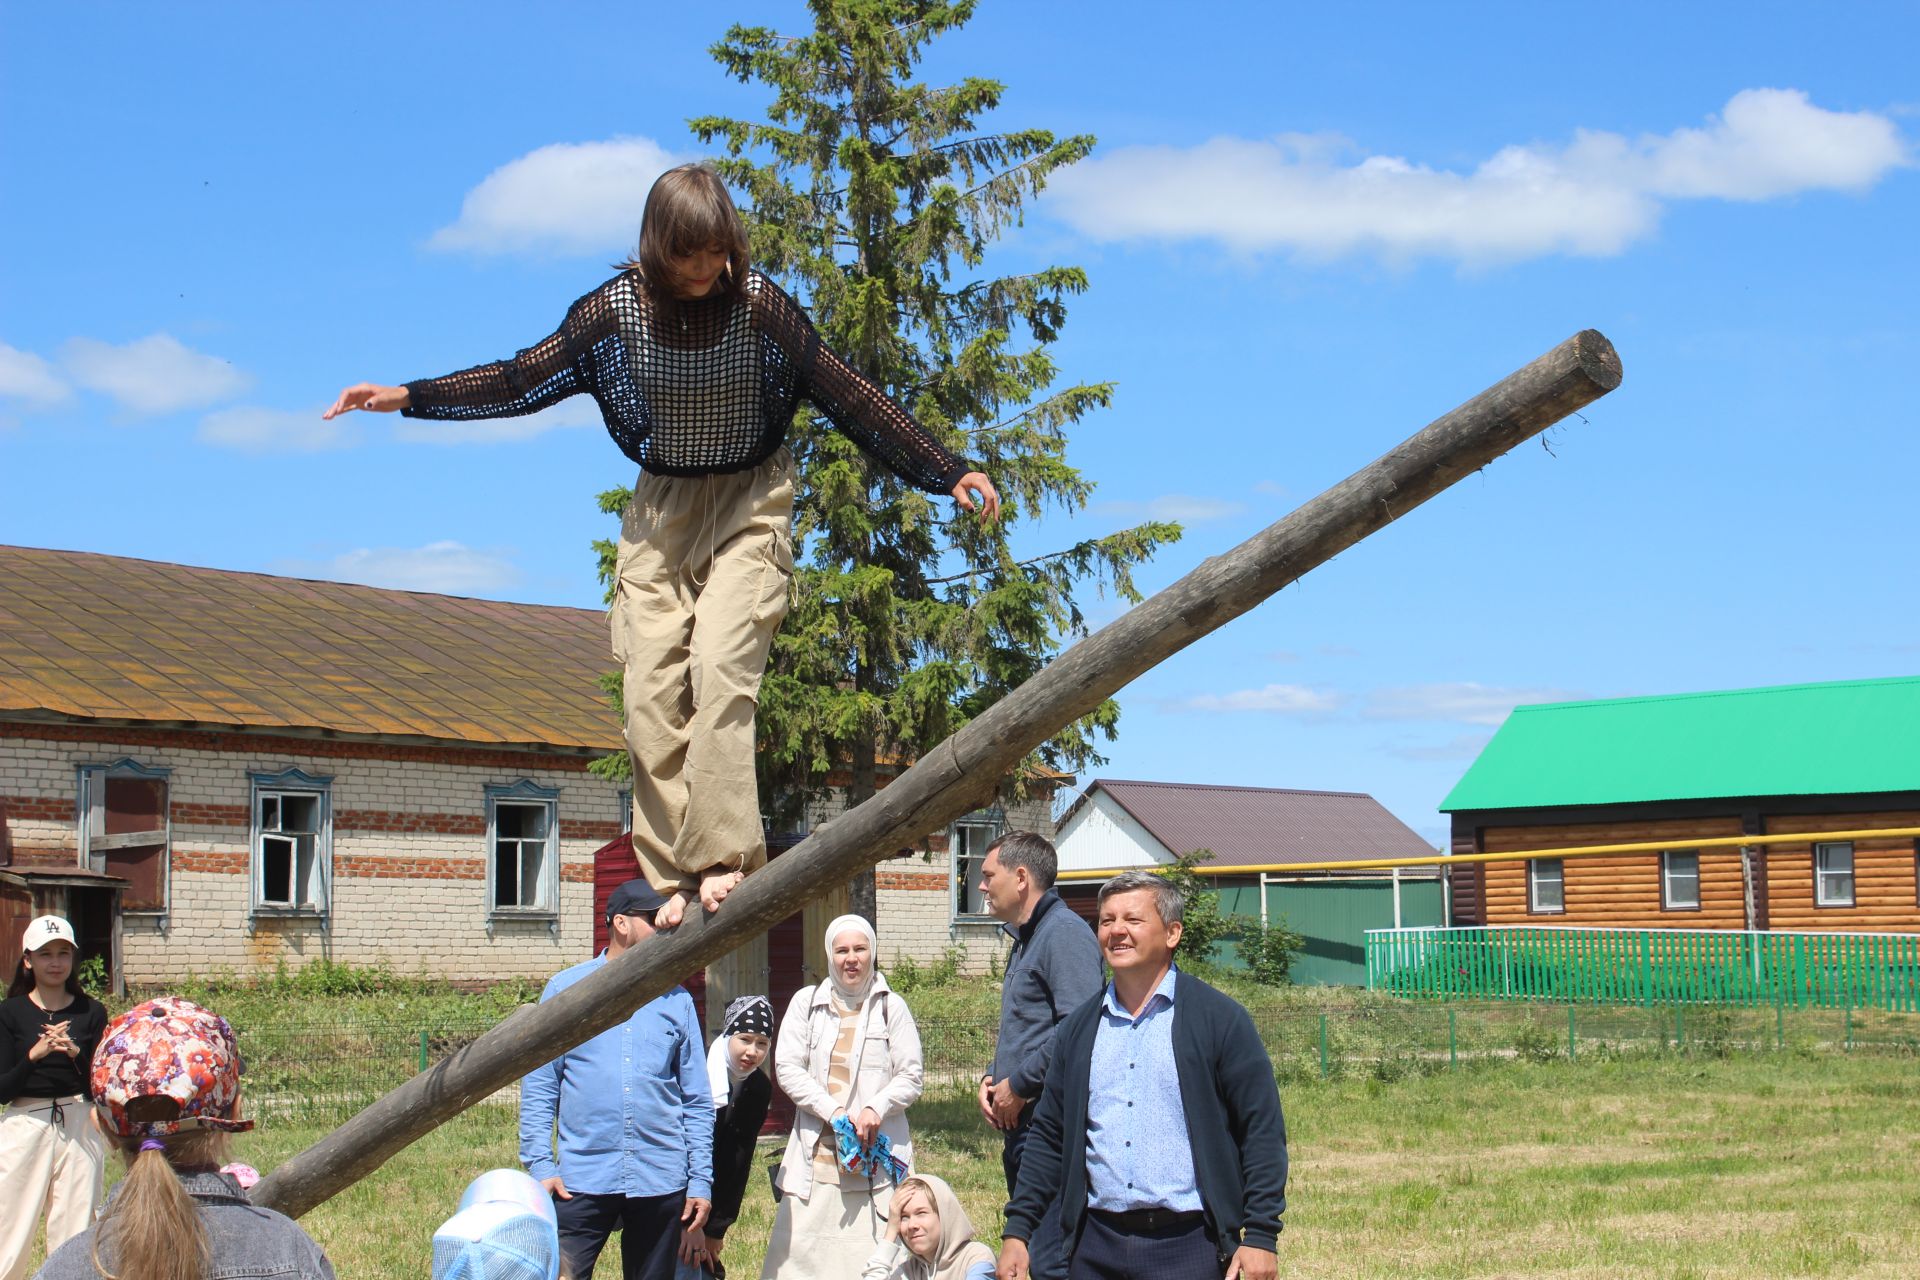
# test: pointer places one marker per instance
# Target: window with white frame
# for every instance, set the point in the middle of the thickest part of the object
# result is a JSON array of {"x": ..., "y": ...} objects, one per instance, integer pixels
[
  {"x": 125, "y": 829},
  {"x": 968, "y": 839},
  {"x": 292, "y": 843},
  {"x": 1680, "y": 880},
  {"x": 523, "y": 850},
  {"x": 1547, "y": 886},
  {"x": 1833, "y": 873}
]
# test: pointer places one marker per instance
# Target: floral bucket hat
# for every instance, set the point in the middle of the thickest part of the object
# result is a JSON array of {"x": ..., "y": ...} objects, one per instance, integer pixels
[{"x": 167, "y": 1066}]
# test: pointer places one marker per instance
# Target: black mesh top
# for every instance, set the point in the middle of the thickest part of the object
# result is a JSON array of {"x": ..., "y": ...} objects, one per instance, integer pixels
[{"x": 694, "y": 388}]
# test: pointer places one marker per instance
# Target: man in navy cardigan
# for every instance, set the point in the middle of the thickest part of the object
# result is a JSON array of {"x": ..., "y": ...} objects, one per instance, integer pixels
[{"x": 1159, "y": 1130}]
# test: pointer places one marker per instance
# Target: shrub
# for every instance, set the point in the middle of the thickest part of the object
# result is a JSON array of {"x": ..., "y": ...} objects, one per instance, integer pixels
[{"x": 1268, "y": 950}]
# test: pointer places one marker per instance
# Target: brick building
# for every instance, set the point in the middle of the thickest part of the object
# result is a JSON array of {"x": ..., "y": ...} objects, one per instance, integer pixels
[{"x": 212, "y": 770}]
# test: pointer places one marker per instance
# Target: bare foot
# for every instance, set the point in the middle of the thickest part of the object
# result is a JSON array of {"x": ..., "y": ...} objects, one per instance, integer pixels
[
  {"x": 675, "y": 910},
  {"x": 715, "y": 885}
]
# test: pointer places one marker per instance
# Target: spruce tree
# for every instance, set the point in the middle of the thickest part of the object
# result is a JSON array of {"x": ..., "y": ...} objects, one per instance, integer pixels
[{"x": 873, "y": 199}]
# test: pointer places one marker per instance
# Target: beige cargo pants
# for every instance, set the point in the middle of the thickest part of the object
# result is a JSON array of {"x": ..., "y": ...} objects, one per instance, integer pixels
[{"x": 701, "y": 586}]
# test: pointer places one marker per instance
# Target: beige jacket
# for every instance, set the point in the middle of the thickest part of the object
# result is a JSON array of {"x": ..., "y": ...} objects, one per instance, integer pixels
[{"x": 888, "y": 1074}]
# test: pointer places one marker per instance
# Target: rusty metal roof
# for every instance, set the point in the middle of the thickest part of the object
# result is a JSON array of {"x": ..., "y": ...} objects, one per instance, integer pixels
[
  {"x": 1254, "y": 826},
  {"x": 111, "y": 638}
]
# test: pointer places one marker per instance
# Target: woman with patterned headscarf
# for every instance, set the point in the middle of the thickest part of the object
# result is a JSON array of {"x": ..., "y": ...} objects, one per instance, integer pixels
[
  {"x": 741, "y": 1092},
  {"x": 849, "y": 1057}
]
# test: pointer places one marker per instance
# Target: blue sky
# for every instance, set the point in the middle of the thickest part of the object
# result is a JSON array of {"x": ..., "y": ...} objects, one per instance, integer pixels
[{"x": 1310, "y": 229}]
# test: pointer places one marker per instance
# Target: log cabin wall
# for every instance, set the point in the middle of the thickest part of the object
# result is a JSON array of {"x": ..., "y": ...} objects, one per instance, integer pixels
[
  {"x": 1886, "y": 882},
  {"x": 1616, "y": 891}
]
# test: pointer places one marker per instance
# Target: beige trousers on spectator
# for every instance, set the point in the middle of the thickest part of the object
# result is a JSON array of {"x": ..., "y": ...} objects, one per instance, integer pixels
[
  {"x": 700, "y": 588},
  {"x": 46, "y": 1168}
]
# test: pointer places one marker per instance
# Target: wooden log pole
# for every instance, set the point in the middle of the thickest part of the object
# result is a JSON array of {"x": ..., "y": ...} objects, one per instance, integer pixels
[{"x": 961, "y": 773}]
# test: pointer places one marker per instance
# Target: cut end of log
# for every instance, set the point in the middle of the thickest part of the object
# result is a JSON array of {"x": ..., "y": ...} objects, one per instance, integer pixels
[{"x": 1598, "y": 360}]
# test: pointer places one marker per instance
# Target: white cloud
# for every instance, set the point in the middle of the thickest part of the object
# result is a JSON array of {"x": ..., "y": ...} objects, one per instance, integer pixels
[
  {"x": 576, "y": 411},
  {"x": 1278, "y": 699},
  {"x": 254, "y": 429},
  {"x": 450, "y": 568},
  {"x": 1593, "y": 196},
  {"x": 567, "y": 198},
  {"x": 1462, "y": 702},
  {"x": 1464, "y": 747},
  {"x": 152, "y": 375},
  {"x": 29, "y": 379}
]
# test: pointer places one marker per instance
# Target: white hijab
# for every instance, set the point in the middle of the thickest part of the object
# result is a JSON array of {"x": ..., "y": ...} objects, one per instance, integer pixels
[{"x": 852, "y": 997}]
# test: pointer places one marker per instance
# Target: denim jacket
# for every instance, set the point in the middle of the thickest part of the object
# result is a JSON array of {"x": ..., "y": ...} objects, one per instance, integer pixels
[{"x": 247, "y": 1241}]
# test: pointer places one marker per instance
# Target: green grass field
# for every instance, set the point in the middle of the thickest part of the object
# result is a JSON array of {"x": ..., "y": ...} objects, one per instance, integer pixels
[{"x": 1779, "y": 1164}]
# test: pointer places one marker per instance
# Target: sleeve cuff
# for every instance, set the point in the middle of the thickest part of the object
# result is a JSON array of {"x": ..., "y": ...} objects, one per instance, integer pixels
[{"x": 700, "y": 1191}]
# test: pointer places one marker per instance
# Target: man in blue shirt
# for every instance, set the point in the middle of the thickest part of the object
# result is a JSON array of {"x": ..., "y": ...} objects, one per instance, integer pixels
[
  {"x": 1159, "y": 1130},
  {"x": 635, "y": 1119}
]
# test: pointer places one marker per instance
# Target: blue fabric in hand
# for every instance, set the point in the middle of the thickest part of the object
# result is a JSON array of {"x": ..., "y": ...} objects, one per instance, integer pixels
[{"x": 867, "y": 1161}]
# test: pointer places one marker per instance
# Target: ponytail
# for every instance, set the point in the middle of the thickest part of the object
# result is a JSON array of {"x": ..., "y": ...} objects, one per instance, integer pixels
[{"x": 151, "y": 1227}]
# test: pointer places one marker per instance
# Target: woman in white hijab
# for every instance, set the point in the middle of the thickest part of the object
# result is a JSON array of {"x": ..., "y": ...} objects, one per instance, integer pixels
[
  {"x": 929, "y": 1237},
  {"x": 847, "y": 1047}
]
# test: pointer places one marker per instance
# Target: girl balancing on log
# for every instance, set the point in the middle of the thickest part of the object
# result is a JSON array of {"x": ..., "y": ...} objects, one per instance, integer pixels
[{"x": 697, "y": 363}]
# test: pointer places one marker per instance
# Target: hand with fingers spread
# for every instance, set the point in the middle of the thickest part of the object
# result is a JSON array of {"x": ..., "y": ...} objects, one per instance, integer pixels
[{"x": 370, "y": 396}]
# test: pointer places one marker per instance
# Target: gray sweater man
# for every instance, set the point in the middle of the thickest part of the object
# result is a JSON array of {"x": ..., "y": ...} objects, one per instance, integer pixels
[{"x": 1054, "y": 968}]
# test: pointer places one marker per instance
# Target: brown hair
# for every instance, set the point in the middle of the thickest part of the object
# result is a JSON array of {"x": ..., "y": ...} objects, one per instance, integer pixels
[
  {"x": 23, "y": 980},
  {"x": 688, "y": 209},
  {"x": 153, "y": 1224}
]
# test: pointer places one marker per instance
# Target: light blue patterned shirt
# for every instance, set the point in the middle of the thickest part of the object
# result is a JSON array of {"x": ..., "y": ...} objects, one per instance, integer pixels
[
  {"x": 1137, "y": 1151},
  {"x": 633, "y": 1103}
]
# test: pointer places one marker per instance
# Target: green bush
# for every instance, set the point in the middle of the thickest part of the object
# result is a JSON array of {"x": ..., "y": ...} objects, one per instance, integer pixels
[
  {"x": 1535, "y": 1042},
  {"x": 1268, "y": 950}
]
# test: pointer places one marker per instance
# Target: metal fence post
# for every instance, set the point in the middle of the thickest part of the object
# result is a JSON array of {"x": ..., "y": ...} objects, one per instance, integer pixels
[
  {"x": 1323, "y": 1046},
  {"x": 1679, "y": 1027},
  {"x": 423, "y": 1051},
  {"x": 1779, "y": 1023},
  {"x": 1849, "y": 1041},
  {"x": 1570, "y": 1033},
  {"x": 1453, "y": 1042}
]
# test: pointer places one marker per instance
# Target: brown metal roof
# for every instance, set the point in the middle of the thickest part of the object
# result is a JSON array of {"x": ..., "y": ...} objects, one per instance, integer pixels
[
  {"x": 1254, "y": 826},
  {"x": 106, "y": 637}
]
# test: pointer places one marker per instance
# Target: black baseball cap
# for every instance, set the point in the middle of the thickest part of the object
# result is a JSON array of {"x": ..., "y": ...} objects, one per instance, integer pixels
[{"x": 635, "y": 898}]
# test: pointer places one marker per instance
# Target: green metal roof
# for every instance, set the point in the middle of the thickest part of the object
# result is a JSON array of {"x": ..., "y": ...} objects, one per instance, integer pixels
[{"x": 1800, "y": 739}]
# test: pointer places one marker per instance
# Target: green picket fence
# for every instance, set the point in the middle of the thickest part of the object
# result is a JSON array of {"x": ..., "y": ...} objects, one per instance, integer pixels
[{"x": 1648, "y": 966}]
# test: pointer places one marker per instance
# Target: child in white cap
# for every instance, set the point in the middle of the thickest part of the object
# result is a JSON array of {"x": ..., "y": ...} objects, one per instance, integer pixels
[{"x": 505, "y": 1229}]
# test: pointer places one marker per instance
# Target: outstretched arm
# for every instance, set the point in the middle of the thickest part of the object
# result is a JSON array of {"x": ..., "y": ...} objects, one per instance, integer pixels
[
  {"x": 865, "y": 414},
  {"x": 550, "y": 370}
]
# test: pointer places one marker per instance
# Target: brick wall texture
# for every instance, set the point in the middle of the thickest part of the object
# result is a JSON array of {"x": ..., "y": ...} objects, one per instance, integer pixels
[{"x": 409, "y": 856}]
